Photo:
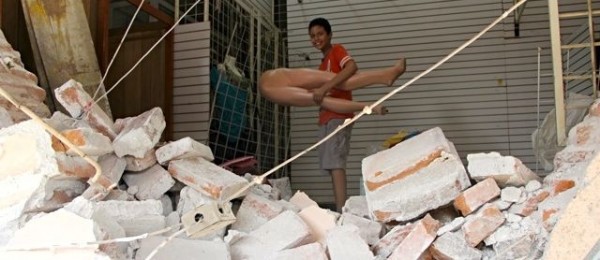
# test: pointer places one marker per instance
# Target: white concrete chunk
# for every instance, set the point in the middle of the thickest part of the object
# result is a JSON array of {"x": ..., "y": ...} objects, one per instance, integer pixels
[
  {"x": 511, "y": 194},
  {"x": 140, "y": 134},
  {"x": 506, "y": 170},
  {"x": 206, "y": 177},
  {"x": 182, "y": 249},
  {"x": 5, "y": 118},
  {"x": 88, "y": 141},
  {"x": 452, "y": 245},
  {"x": 43, "y": 231},
  {"x": 357, "y": 205},
  {"x": 313, "y": 251},
  {"x": 167, "y": 204},
  {"x": 533, "y": 185},
  {"x": 369, "y": 230},
  {"x": 319, "y": 221},
  {"x": 302, "y": 200},
  {"x": 285, "y": 231},
  {"x": 152, "y": 183},
  {"x": 76, "y": 100},
  {"x": 452, "y": 226},
  {"x": 344, "y": 243},
  {"x": 386, "y": 245},
  {"x": 254, "y": 212},
  {"x": 402, "y": 186},
  {"x": 140, "y": 164},
  {"x": 190, "y": 199},
  {"x": 182, "y": 149},
  {"x": 26, "y": 163},
  {"x": 283, "y": 185}
]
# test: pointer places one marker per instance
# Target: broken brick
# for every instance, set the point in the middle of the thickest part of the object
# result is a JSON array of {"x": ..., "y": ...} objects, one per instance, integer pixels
[
  {"x": 182, "y": 149},
  {"x": 140, "y": 134},
  {"x": 254, "y": 212},
  {"x": 482, "y": 224},
  {"x": 506, "y": 170},
  {"x": 472, "y": 198},
  {"x": 418, "y": 240},
  {"x": 152, "y": 183}
]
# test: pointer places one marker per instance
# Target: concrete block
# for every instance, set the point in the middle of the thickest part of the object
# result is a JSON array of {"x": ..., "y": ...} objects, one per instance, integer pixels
[
  {"x": 75, "y": 100},
  {"x": 283, "y": 185},
  {"x": 136, "y": 217},
  {"x": 357, "y": 205},
  {"x": 179, "y": 248},
  {"x": 370, "y": 231},
  {"x": 254, "y": 212},
  {"x": 313, "y": 251},
  {"x": 511, "y": 194},
  {"x": 62, "y": 122},
  {"x": 386, "y": 245},
  {"x": 452, "y": 245},
  {"x": 140, "y": 164},
  {"x": 578, "y": 229},
  {"x": 88, "y": 141},
  {"x": 506, "y": 170},
  {"x": 285, "y": 231},
  {"x": 452, "y": 226},
  {"x": 346, "y": 243},
  {"x": 301, "y": 200},
  {"x": 401, "y": 186},
  {"x": 190, "y": 199},
  {"x": 533, "y": 185},
  {"x": 117, "y": 194},
  {"x": 206, "y": 177},
  {"x": 74, "y": 166},
  {"x": 319, "y": 221},
  {"x": 182, "y": 149},
  {"x": 482, "y": 224},
  {"x": 113, "y": 168},
  {"x": 152, "y": 183},
  {"x": 140, "y": 134},
  {"x": 26, "y": 163},
  {"x": 418, "y": 240},
  {"x": 472, "y": 198},
  {"x": 167, "y": 204},
  {"x": 43, "y": 231}
]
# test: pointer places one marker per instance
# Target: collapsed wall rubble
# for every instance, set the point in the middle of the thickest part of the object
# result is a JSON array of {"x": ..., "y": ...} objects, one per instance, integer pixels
[{"x": 421, "y": 202}]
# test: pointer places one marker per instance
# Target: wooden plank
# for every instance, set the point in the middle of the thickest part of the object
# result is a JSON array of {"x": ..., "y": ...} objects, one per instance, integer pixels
[
  {"x": 51, "y": 23},
  {"x": 102, "y": 28}
]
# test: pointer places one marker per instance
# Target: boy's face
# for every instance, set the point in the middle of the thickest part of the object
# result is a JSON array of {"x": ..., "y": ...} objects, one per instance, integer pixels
[{"x": 319, "y": 38}]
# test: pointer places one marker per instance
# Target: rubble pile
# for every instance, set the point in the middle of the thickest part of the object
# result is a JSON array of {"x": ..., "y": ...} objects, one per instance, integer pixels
[{"x": 421, "y": 202}]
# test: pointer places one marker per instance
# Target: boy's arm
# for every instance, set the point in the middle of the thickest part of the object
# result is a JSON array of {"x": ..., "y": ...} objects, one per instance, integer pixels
[{"x": 349, "y": 69}]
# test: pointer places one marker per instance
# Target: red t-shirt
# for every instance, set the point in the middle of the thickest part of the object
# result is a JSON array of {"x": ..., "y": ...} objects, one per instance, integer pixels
[{"x": 334, "y": 62}]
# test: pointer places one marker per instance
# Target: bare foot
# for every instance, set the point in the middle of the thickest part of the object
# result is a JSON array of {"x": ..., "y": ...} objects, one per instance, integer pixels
[
  {"x": 380, "y": 110},
  {"x": 396, "y": 71}
]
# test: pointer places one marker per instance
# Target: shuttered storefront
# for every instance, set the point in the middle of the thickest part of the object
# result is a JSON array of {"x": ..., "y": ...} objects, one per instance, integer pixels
[
  {"x": 485, "y": 98},
  {"x": 191, "y": 92}
]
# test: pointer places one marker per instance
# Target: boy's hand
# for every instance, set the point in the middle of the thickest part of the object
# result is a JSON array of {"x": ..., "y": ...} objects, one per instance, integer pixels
[{"x": 319, "y": 94}]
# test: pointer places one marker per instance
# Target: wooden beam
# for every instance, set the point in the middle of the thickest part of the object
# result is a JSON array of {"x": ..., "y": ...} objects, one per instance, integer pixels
[
  {"x": 153, "y": 11},
  {"x": 169, "y": 71},
  {"x": 102, "y": 26}
]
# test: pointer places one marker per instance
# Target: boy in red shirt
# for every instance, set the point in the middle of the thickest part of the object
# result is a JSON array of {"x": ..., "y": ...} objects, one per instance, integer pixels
[{"x": 333, "y": 153}]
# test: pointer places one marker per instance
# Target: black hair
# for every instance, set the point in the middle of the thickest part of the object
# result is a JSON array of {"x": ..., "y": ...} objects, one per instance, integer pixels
[{"x": 320, "y": 22}]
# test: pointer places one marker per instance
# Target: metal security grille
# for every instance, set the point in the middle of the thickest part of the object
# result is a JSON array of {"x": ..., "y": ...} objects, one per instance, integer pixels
[{"x": 244, "y": 43}]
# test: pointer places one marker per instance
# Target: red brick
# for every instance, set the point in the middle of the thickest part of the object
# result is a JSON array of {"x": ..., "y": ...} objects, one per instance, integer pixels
[
  {"x": 418, "y": 240},
  {"x": 472, "y": 198},
  {"x": 483, "y": 224}
]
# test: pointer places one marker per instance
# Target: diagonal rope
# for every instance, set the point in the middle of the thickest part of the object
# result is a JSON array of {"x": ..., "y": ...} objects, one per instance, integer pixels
[
  {"x": 118, "y": 48},
  {"x": 146, "y": 54},
  {"x": 368, "y": 109}
]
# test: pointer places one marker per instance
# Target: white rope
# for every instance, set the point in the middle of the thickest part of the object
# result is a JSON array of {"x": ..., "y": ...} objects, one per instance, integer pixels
[
  {"x": 148, "y": 52},
  {"x": 118, "y": 48},
  {"x": 368, "y": 109}
]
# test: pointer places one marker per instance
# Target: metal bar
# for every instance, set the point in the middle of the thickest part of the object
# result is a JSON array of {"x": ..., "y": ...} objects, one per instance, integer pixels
[
  {"x": 592, "y": 48},
  {"x": 557, "y": 67},
  {"x": 206, "y": 10},
  {"x": 578, "y": 45},
  {"x": 578, "y": 14},
  {"x": 176, "y": 9},
  {"x": 577, "y": 77}
]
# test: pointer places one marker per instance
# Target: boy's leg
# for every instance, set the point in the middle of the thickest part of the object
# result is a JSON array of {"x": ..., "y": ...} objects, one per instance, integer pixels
[
  {"x": 338, "y": 177},
  {"x": 333, "y": 154}
]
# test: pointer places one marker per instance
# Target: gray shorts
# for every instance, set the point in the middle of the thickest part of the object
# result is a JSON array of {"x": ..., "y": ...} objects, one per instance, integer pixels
[{"x": 333, "y": 152}]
